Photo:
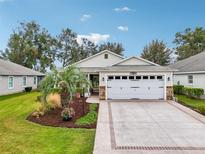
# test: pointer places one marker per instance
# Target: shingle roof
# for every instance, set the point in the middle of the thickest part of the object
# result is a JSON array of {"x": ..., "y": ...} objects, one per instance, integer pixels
[
  {"x": 124, "y": 68},
  {"x": 139, "y": 68},
  {"x": 10, "y": 68},
  {"x": 191, "y": 64}
]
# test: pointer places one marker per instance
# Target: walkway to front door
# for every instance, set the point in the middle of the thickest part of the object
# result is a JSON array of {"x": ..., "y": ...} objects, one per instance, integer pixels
[{"x": 149, "y": 127}]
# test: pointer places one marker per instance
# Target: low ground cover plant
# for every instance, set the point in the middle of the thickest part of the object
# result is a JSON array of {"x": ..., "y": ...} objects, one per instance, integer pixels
[
  {"x": 90, "y": 117},
  {"x": 195, "y": 104}
]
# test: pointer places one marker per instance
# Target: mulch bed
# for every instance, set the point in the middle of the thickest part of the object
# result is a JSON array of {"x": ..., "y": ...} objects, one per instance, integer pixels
[{"x": 53, "y": 117}]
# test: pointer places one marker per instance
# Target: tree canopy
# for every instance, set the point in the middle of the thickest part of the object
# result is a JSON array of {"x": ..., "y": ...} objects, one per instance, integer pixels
[
  {"x": 157, "y": 52},
  {"x": 34, "y": 47},
  {"x": 190, "y": 42},
  {"x": 114, "y": 47},
  {"x": 31, "y": 46}
]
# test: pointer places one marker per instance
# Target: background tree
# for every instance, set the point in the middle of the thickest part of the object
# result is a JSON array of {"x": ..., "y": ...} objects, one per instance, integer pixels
[
  {"x": 157, "y": 52},
  {"x": 87, "y": 48},
  {"x": 68, "y": 48},
  {"x": 31, "y": 46},
  {"x": 114, "y": 47},
  {"x": 190, "y": 42}
]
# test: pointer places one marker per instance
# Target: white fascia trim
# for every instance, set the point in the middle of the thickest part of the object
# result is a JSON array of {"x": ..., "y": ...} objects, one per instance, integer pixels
[
  {"x": 110, "y": 71},
  {"x": 101, "y": 52},
  {"x": 142, "y": 59},
  {"x": 193, "y": 72}
]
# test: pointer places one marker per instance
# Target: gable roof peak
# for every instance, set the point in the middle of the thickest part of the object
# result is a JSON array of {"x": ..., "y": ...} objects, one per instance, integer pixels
[{"x": 138, "y": 58}]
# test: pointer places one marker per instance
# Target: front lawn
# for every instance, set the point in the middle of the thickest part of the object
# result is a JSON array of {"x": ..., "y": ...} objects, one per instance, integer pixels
[
  {"x": 195, "y": 104},
  {"x": 17, "y": 135}
]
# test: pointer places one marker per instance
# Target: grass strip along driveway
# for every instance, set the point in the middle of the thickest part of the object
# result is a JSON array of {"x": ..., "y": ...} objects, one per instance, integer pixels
[
  {"x": 17, "y": 135},
  {"x": 195, "y": 104}
]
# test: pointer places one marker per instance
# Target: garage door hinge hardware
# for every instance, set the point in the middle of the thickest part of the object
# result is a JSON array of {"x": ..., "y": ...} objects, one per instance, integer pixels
[
  {"x": 109, "y": 87},
  {"x": 134, "y": 87}
]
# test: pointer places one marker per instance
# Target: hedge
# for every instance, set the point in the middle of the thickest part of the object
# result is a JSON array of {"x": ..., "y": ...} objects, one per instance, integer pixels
[
  {"x": 193, "y": 92},
  {"x": 178, "y": 89},
  {"x": 188, "y": 91}
]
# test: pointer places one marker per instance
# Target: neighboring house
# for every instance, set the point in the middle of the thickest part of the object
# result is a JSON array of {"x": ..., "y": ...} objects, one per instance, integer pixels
[
  {"x": 14, "y": 78},
  {"x": 115, "y": 77},
  {"x": 191, "y": 71}
]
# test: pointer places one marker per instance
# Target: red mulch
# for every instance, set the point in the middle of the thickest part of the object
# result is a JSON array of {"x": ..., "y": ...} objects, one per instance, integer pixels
[{"x": 53, "y": 117}]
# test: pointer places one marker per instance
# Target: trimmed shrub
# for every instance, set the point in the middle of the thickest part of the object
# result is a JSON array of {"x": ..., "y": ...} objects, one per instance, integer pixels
[
  {"x": 178, "y": 89},
  {"x": 28, "y": 89},
  {"x": 193, "y": 92}
]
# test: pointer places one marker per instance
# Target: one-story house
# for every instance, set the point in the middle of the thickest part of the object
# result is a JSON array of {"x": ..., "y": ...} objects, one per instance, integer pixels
[
  {"x": 14, "y": 78},
  {"x": 115, "y": 77},
  {"x": 191, "y": 71}
]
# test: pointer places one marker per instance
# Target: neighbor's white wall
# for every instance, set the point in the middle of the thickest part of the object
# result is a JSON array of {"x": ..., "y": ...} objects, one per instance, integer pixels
[
  {"x": 134, "y": 61},
  {"x": 198, "y": 80},
  {"x": 18, "y": 84},
  {"x": 166, "y": 74},
  {"x": 100, "y": 61}
]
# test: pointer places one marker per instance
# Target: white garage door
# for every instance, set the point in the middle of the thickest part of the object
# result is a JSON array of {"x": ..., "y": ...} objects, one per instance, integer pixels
[{"x": 135, "y": 87}]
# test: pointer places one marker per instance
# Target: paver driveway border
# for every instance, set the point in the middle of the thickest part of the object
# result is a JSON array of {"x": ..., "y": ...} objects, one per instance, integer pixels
[{"x": 105, "y": 136}]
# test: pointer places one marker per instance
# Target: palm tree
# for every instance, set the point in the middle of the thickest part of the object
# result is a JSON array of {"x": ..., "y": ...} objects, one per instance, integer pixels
[{"x": 64, "y": 82}]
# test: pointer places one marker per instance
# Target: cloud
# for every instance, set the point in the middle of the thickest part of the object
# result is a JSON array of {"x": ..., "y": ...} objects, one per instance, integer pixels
[
  {"x": 93, "y": 37},
  {"x": 123, "y": 28},
  {"x": 85, "y": 17},
  {"x": 123, "y": 9}
]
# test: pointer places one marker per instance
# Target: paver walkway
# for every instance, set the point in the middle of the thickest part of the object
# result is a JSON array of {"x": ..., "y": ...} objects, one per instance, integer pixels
[{"x": 149, "y": 127}]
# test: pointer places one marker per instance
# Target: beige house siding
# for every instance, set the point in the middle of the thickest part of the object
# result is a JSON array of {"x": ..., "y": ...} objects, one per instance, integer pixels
[
  {"x": 100, "y": 61},
  {"x": 18, "y": 84}
]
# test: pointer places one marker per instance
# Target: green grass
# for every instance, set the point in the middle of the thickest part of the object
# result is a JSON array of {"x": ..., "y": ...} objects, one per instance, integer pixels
[
  {"x": 195, "y": 104},
  {"x": 19, "y": 136},
  {"x": 90, "y": 117}
]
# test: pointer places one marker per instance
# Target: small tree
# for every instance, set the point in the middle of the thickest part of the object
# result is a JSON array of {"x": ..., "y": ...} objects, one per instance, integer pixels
[{"x": 63, "y": 82}]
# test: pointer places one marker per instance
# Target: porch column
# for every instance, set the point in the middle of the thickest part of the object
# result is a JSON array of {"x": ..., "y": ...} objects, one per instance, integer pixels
[{"x": 88, "y": 80}]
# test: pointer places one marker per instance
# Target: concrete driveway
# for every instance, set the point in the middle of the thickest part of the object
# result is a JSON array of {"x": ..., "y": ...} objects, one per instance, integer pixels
[{"x": 149, "y": 127}]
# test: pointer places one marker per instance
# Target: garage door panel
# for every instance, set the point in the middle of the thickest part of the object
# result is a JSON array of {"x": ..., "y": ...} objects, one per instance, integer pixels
[{"x": 135, "y": 89}]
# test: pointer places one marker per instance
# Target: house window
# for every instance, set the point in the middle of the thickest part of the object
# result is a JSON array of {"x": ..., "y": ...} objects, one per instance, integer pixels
[
  {"x": 124, "y": 77},
  {"x": 178, "y": 82},
  {"x": 145, "y": 77},
  {"x": 152, "y": 77},
  {"x": 10, "y": 82},
  {"x": 159, "y": 77},
  {"x": 110, "y": 77},
  {"x": 190, "y": 79},
  {"x": 24, "y": 81},
  {"x": 131, "y": 77},
  {"x": 106, "y": 56},
  {"x": 117, "y": 77},
  {"x": 138, "y": 77},
  {"x": 34, "y": 80}
]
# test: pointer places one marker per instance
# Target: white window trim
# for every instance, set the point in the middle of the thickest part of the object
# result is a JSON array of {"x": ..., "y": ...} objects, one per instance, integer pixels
[
  {"x": 23, "y": 81},
  {"x": 35, "y": 77},
  {"x": 13, "y": 82}
]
